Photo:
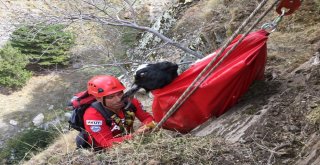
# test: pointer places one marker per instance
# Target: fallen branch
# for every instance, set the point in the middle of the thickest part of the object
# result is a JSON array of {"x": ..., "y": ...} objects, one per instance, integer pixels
[{"x": 274, "y": 151}]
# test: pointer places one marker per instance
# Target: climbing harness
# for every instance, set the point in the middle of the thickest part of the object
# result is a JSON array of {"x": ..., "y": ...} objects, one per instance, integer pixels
[{"x": 205, "y": 73}]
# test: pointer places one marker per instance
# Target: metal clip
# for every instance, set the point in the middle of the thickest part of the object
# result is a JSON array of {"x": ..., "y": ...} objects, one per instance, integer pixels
[{"x": 274, "y": 24}]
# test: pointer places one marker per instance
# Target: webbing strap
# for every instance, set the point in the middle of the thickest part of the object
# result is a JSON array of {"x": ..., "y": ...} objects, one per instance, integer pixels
[{"x": 105, "y": 113}]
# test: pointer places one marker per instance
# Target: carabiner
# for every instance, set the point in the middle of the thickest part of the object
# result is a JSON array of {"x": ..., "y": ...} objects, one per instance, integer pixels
[
  {"x": 274, "y": 24},
  {"x": 291, "y": 5},
  {"x": 279, "y": 18}
]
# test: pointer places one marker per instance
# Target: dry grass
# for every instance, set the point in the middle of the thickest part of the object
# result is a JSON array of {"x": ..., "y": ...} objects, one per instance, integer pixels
[
  {"x": 295, "y": 39},
  {"x": 314, "y": 116},
  {"x": 192, "y": 19},
  {"x": 160, "y": 148},
  {"x": 65, "y": 144}
]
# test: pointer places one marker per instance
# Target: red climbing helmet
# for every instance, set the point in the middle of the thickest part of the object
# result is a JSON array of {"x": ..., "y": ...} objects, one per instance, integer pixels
[{"x": 104, "y": 85}]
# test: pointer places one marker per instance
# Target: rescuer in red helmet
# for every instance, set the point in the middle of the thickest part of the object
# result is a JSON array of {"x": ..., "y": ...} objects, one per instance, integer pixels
[{"x": 117, "y": 124}]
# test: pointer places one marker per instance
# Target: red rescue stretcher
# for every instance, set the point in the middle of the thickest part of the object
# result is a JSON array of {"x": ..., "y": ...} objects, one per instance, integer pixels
[{"x": 220, "y": 91}]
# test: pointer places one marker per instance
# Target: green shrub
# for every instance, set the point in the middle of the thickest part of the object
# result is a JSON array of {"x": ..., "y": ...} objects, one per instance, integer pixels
[
  {"x": 24, "y": 145},
  {"x": 129, "y": 36},
  {"x": 12, "y": 68},
  {"x": 44, "y": 44}
]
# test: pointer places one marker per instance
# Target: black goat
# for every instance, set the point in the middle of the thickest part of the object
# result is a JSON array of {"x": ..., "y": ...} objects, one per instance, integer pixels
[{"x": 153, "y": 76}]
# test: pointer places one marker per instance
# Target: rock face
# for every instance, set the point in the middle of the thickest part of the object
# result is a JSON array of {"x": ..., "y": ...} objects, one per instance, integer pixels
[
  {"x": 154, "y": 9},
  {"x": 278, "y": 115},
  {"x": 146, "y": 49}
]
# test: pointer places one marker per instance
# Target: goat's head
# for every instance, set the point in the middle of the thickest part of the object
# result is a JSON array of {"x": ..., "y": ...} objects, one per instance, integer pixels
[{"x": 153, "y": 76}]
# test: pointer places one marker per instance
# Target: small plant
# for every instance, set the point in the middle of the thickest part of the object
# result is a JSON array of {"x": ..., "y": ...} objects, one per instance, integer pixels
[
  {"x": 12, "y": 67},
  {"x": 24, "y": 145}
]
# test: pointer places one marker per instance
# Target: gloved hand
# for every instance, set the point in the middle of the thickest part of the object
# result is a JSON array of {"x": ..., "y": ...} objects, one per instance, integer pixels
[
  {"x": 151, "y": 125},
  {"x": 145, "y": 128}
]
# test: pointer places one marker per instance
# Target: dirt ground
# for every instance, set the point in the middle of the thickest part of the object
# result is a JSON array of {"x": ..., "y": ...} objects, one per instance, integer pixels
[
  {"x": 17, "y": 103},
  {"x": 44, "y": 93}
]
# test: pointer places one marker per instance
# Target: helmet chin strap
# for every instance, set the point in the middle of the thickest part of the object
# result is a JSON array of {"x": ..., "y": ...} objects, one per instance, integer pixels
[{"x": 104, "y": 104}]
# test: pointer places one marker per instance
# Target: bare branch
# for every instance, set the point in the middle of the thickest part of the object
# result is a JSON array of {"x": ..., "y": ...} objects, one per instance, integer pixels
[
  {"x": 119, "y": 22},
  {"x": 4, "y": 4},
  {"x": 102, "y": 12}
]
